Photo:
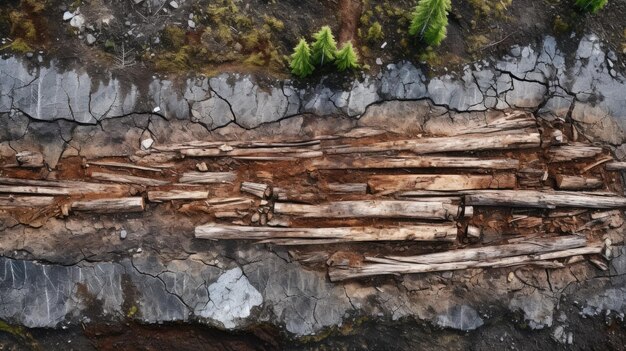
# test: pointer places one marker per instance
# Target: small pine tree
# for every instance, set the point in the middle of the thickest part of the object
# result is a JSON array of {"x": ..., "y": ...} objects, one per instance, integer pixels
[
  {"x": 430, "y": 19},
  {"x": 324, "y": 47},
  {"x": 301, "y": 60},
  {"x": 592, "y": 6},
  {"x": 346, "y": 58}
]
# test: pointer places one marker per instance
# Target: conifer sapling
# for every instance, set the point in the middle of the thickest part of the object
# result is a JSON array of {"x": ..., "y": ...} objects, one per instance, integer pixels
[
  {"x": 324, "y": 48},
  {"x": 430, "y": 19},
  {"x": 301, "y": 60},
  {"x": 346, "y": 58}
]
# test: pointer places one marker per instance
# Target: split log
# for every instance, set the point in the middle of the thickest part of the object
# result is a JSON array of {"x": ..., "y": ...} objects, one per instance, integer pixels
[
  {"x": 616, "y": 166},
  {"x": 511, "y": 140},
  {"x": 347, "y": 188},
  {"x": 371, "y": 209},
  {"x": 232, "y": 152},
  {"x": 491, "y": 256},
  {"x": 257, "y": 189},
  {"x": 573, "y": 151},
  {"x": 127, "y": 179},
  {"x": 513, "y": 120},
  {"x": 544, "y": 199},
  {"x": 124, "y": 204},
  {"x": 208, "y": 177},
  {"x": 54, "y": 187},
  {"x": 226, "y": 146},
  {"x": 30, "y": 159},
  {"x": 230, "y": 203},
  {"x": 568, "y": 182},
  {"x": 160, "y": 196},
  {"x": 387, "y": 184},
  {"x": 339, "y": 162},
  {"x": 26, "y": 201},
  {"x": 298, "y": 236},
  {"x": 282, "y": 194},
  {"x": 122, "y": 165}
]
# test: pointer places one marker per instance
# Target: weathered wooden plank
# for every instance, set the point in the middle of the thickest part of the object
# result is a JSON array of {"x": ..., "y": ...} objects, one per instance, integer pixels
[
  {"x": 208, "y": 177},
  {"x": 347, "y": 188},
  {"x": 127, "y": 179},
  {"x": 387, "y": 184},
  {"x": 422, "y": 232},
  {"x": 123, "y": 204},
  {"x": 371, "y": 209},
  {"x": 616, "y": 166},
  {"x": 123, "y": 165},
  {"x": 59, "y": 187},
  {"x": 160, "y": 196},
  {"x": 543, "y": 199},
  {"x": 573, "y": 151},
  {"x": 381, "y": 162},
  {"x": 26, "y": 201},
  {"x": 571, "y": 182}
]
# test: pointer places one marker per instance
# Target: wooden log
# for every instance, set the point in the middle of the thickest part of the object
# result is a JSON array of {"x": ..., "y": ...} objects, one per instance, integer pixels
[
  {"x": 29, "y": 159},
  {"x": 160, "y": 196},
  {"x": 208, "y": 177},
  {"x": 616, "y": 166},
  {"x": 573, "y": 151},
  {"x": 127, "y": 179},
  {"x": 282, "y": 194},
  {"x": 26, "y": 201},
  {"x": 569, "y": 182},
  {"x": 123, "y": 205},
  {"x": 122, "y": 165},
  {"x": 339, "y": 273},
  {"x": 423, "y": 232},
  {"x": 56, "y": 187},
  {"x": 231, "y": 152},
  {"x": 491, "y": 256},
  {"x": 513, "y": 120},
  {"x": 347, "y": 188},
  {"x": 371, "y": 209},
  {"x": 229, "y": 203},
  {"x": 342, "y": 162},
  {"x": 226, "y": 146},
  {"x": 257, "y": 189},
  {"x": 544, "y": 199},
  {"x": 387, "y": 184},
  {"x": 511, "y": 140}
]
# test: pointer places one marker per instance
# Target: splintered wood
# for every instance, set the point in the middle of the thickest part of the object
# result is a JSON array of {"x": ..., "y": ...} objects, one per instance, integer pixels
[{"x": 502, "y": 191}]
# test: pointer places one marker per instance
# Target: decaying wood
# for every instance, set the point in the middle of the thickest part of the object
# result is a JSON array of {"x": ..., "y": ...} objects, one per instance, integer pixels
[
  {"x": 387, "y": 184},
  {"x": 510, "y": 140},
  {"x": 370, "y": 209},
  {"x": 423, "y": 232},
  {"x": 283, "y": 194},
  {"x": 616, "y": 166},
  {"x": 59, "y": 187},
  {"x": 544, "y": 199},
  {"x": 30, "y": 159},
  {"x": 473, "y": 231},
  {"x": 490, "y": 256},
  {"x": 512, "y": 120},
  {"x": 569, "y": 182},
  {"x": 347, "y": 188},
  {"x": 160, "y": 196},
  {"x": 127, "y": 179},
  {"x": 257, "y": 189},
  {"x": 573, "y": 151},
  {"x": 531, "y": 177},
  {"x": 208, "y": 177},
  {"x": 229, "y": 203},
  {"x": 123, "y": 165},
  {"x": 373, "y": 162},
  {"x": 25, "y": 201},
  {"x": 122, "y": 204}
]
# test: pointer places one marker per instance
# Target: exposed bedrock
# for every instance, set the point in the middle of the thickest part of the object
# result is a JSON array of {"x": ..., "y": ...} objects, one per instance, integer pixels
[{"x": 81, "y": 270}]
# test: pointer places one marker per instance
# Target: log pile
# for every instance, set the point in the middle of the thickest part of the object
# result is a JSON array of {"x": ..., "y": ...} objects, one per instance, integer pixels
[{"x": 510, "y": 191}]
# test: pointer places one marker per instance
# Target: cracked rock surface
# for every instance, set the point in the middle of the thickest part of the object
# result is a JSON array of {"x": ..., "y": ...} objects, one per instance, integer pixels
[{"x": 80, "y": 270}]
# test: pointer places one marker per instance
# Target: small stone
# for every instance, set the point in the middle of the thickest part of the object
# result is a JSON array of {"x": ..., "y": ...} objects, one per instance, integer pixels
[
  {"x": 127, "y": 23},
  {"x": 147, "y": 143},
  {"x": 379, "y": 61},
  {"x": 226, "y": 148},
  {"x": 139, "y": 250},
  {"x": 123, "y": 234},
  {"x": 156, "y": 109},
  {"x": 90, "y": 39},
  {"x": 610, "y": 63},
  {"x": 384, "y": 45},
  {"x": 255, "y": 217},
  {"x": 613, "y": 73},
  {"x": 202, "y": 167},
  {"x": 191, "y": 24},
  {"x": 191, "y": 16},
  {"x": 138, "y": 1},
  {"x": 30, "y": 54},
  {"x": 78, "y": 21},
  {"x": 67, "y": 16},
  {"x": 174, "y": 4},
  {"x": 510, "y": 277}
]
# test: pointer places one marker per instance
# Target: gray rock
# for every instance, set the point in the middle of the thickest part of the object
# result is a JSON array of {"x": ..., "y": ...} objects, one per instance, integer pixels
[
  {"x": 174, "y": 4},
  {"x": 78, "y": 21},
  {"x": 460, "y": 317},
  {"x": 67, "y": 16},
  {"x": 90, "y": 39},
  {"x": 538, "y": 309}
]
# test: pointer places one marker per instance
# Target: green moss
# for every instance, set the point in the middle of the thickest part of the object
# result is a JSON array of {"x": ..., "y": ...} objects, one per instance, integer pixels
[
  {"x": 22, "y": 26},
  {"x": 132, "y": 311},
  {"x": 375, "y": 32},
  {"x": 173, "y": 37},
  {"x": 476, "y": 43},
  {"x": 489, "y": 8},
  {"x": 255, "y": 59},
  {"x": 35, "y": 6},
  {"x": 20, "y": 333},
  {"x": 559, "y": 25},
  {"x": 274, "y": 23},
  {"x": 19, "y": 46}
]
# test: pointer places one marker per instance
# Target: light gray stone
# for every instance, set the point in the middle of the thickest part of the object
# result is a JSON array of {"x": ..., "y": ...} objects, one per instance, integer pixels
[{"x": 460, "y": 317}]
